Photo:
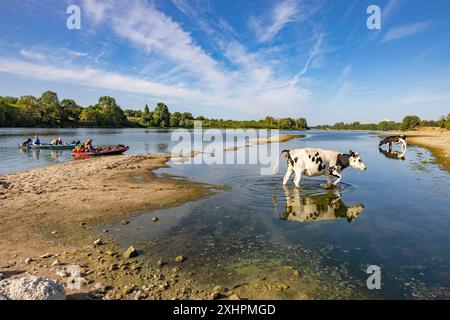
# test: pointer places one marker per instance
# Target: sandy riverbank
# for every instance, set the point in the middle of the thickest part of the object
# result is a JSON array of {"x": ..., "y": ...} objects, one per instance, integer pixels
[
  {"x": 273, "y": 139},
  {"x": 55, "y": 209},
  {"x": 437, "y": 140}
]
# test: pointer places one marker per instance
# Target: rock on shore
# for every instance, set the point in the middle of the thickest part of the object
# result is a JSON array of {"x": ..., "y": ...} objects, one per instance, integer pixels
[{"x": 31, "y": 288}]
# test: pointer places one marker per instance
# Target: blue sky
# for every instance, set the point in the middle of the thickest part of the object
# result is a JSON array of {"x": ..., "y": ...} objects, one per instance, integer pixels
[{"x": 235, "y": 59}]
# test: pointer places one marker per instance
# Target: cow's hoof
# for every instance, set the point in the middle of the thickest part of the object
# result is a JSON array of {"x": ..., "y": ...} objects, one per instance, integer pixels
[{"x": 328, "y": 186}]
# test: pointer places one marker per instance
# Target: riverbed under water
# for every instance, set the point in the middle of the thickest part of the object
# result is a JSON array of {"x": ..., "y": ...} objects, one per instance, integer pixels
[{"x": 394, "y": 215}]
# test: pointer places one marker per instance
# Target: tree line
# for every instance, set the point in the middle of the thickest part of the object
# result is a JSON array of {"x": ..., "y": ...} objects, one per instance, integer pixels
[
  {"x": 48, "y": 111},
  {"x": 408, "y": 123}
]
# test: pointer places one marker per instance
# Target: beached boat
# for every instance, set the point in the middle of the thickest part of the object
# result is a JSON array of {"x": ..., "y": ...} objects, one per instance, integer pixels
[
  {"x": 49, "y": 146},
  {"x": 102, "y": 152}
]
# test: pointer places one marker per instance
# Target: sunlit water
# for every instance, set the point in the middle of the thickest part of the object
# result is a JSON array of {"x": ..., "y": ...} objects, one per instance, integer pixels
[{"x": 395, "y": 215}]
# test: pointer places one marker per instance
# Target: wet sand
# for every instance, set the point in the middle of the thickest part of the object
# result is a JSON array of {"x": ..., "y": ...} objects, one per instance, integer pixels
[
  {"x": 437, "y": 140},
  {"x": 273, "y": 139},
  {"x": 53, "y": 213}
]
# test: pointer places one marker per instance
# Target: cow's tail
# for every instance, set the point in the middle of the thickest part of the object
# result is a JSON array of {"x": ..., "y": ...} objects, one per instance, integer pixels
[{"x": 277, "y": 164}]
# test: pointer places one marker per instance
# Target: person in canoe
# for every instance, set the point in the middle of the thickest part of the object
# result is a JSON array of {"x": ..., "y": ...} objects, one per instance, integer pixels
[
  {"x": 56, "y": 141},
  {"x": 25, "y": 143},
  {"x": 88, "y": 145},
  {"x": 36, "y": 140}
]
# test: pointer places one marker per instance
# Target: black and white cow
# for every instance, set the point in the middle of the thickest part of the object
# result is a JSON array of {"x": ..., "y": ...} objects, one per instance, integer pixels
[
  {"x": 319, "y": 207},
  {"x": 399, "y": 155},
  {"x": 394, "y": 140},
  {"x": 317, "y": 162}
]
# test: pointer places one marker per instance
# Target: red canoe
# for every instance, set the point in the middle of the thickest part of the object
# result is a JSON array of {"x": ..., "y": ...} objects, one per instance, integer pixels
[{"x": 102, "y": 152}]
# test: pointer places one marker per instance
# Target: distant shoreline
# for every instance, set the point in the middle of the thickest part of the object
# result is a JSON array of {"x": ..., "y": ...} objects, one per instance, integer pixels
[{"x": 437, "y": 140}]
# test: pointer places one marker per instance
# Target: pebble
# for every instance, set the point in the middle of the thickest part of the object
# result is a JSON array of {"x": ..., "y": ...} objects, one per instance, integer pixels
[
  {"x": 160, "y": 263},
  {"x": 56, "y": 263},
  {"x": 155, "y": 219},
  {"x": 215, "y": 295},
  {"x": 28, "y": 260},
  {"x": 61, "y": 273},
  {"x": 46, "y": 255},
  {"x": 124, "y": 222},
  {"x": 98, "y": 242},
  {"x": 179, "y": 259},
  {"x": 130, "y": 252},
  {"x": 1, "y": 276},
  {"x": 218, "y": 289}
]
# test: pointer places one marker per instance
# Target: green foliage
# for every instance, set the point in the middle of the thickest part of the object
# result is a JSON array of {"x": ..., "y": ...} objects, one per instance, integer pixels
[
  {"x": 48, "y": 111},
  {"x": 161, "y": 115},
  {"x": 106, "y": 113},
  {"x": 410, "y": 122}
]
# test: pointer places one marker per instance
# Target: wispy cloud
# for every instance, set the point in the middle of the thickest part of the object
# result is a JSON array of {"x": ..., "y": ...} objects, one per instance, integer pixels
[
  {"x": 400, "y": 32},
  {"x": 282, "y": 13},
  {"x": 92, "y": 77},
  {"x": 346, "y": 86},
  {"x": 390, "y": 9},
  {"x": 32, "y": 55},
  {"x": 423, "y": 97},
  {"x": 344, "y": 89},
  {"x": 250, "y": 86}
]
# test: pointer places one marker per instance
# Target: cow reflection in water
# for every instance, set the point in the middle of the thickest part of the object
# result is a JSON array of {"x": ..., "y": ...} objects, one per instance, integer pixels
[
  {"x": 399, "y": 155},
  {"x": 328, "y": 206}
]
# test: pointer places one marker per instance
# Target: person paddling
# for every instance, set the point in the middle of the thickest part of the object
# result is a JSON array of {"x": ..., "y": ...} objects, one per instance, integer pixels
[{"x": 88, "y": 145}]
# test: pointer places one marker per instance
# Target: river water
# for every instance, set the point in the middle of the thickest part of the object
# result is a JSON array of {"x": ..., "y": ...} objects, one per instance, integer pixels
[{"x": 395, "y": 216}]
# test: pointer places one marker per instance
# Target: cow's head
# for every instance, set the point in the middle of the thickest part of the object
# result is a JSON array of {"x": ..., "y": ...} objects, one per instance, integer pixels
[
  {"x": 356, "y": 162},
  {"x": 354, "y": 211}
]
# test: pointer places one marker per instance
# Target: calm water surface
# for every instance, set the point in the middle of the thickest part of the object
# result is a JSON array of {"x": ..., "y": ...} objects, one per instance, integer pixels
[{"x": 395, "y": 215}]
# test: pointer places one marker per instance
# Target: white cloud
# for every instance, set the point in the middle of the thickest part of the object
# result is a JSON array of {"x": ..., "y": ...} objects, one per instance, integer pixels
[
  {"x": 251, "y": 86},
  {"x": 76, "y": 53},
  {"x": 283, "y": 13},
  {"x": 423, "y": 97},
  {"x": 344, "y": 89},
  {"x": 400, "y": 32},
  {"x": 32, "y": 55},
  {"x": 91, "y": 77},
  {"x": 345, "y": 72}
]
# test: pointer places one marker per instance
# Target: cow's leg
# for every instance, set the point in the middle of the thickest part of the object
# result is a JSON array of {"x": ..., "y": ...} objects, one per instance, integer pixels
[
  {"x": 288, "y": 174},
  {"x": 298, "y": 177},
  {"x": 329, "y": 180},
  {"x": 339, "y": 177},
  {"x": 403, "y": 145},
  {"x": 390, "y": 147},
  {"x": 335, "y": 174}
]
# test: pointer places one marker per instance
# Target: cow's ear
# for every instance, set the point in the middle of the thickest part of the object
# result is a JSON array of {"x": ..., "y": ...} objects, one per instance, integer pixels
[{"x": 351, "y": 153}]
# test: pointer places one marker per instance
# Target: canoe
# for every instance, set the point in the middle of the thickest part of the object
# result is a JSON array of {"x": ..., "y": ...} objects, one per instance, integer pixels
[
  {"x": 50, "y": 146},
  {"x": 102, "y": 152}
]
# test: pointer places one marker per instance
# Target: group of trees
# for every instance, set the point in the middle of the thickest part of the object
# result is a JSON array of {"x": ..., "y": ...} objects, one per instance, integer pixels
[
  {"x": 408, "y": 123},
  {"x": 48, "y": 111},
  {"x": 160, "y": 117}
]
